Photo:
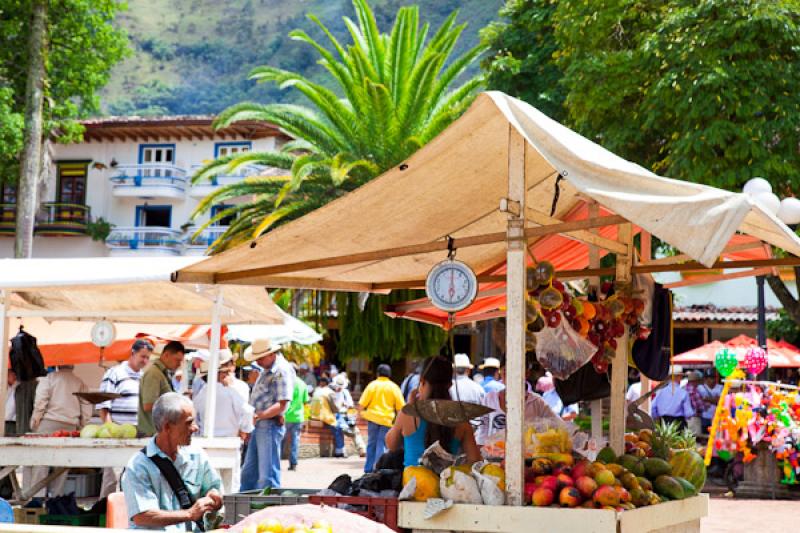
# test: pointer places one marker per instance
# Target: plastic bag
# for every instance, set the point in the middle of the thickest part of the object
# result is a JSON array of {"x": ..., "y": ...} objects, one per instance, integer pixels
[
  {"x": 491, "y": 482},
  {"x": 562, "y": 351},
  {"x": 457, "y": 484},
  {"x": 436, "y": 458}
]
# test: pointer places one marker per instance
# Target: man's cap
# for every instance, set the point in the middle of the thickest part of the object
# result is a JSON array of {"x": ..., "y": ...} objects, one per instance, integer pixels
[
  {"x": 695, "y": 375},
  {"x": 259, "y": 348},
  {"x": 490, "y": 362},
  {"x": 461, "y": 360}
]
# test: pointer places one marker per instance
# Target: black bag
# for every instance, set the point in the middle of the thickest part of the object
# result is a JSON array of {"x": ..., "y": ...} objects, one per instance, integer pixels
[
  {"x": 175, "y": 482},
  {"x": 584, "y": 385},
  {"x": 26, "y": 359},
  {"x": 652, "y": 354}
]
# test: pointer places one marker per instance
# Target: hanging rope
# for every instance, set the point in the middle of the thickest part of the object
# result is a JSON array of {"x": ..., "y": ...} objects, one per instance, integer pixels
[{"x": 556, "y": 194}]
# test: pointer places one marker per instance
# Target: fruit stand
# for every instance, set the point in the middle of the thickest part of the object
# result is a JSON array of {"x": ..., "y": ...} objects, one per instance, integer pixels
[
  {"x": 71, "y": 452},
  {"x": 499, "y": 180}
]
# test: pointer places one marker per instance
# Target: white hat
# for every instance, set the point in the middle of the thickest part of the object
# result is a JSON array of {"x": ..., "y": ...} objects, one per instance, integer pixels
[
  {"x": 461, "y": 360},
  {"x": 341, "y": 381},
  {"x": 676, "y": 370},
  {"x": 490, "y": 362},
  {"x": 225, "y": 356},
  {"x": 259, "y": 348}
]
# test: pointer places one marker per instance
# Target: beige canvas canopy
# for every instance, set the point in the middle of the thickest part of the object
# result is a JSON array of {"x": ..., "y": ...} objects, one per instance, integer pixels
[
  {"x": 453, "y": 187},
  {"x": 124, "y": 290}
]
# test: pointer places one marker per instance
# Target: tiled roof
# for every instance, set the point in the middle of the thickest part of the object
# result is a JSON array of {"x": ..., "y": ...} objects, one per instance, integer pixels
[{"x": 712, "y": 313}]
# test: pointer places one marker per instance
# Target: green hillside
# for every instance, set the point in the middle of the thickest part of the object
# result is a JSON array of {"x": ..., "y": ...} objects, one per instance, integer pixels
[{"x": 193, "y": 56}]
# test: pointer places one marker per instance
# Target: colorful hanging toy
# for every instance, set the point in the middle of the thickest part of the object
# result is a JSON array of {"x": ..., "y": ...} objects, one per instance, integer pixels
[
  {"x": 725, "y": 361},
  {"x": 755, "y": 360}
]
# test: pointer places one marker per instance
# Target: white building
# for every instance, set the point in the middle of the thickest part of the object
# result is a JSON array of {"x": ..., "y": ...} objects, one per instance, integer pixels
[{"x": 136, "y": 174}]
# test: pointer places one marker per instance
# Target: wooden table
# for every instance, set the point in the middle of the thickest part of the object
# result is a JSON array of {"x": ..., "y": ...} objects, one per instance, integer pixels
[
  {"x": 671, "y": 517},
  {"x": 65, "y": 453}
]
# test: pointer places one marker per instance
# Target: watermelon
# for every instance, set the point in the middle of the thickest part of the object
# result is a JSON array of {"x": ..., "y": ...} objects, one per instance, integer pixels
[{"x": 690, "y": 466}]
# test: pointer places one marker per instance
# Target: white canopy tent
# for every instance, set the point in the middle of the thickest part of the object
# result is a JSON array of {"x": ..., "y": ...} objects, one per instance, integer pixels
[
  {"x": 127, "y": 290},
  {"x": 497, "y": 179}
]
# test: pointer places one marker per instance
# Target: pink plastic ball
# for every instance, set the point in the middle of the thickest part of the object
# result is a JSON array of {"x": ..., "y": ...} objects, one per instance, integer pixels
[{"x": 755, "y": 360}]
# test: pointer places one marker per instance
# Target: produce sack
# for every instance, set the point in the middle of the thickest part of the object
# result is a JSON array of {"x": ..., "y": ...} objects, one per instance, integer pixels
[
  {"x": 491, "y": 479},
  {"x": 562, "y": 351},
  {"x": 457, "y": 485}
]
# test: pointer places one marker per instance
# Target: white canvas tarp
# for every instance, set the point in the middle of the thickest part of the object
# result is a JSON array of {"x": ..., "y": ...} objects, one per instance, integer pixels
[
  {"x": 453, "y": 187},
  {"x": 125, "y": 290}
]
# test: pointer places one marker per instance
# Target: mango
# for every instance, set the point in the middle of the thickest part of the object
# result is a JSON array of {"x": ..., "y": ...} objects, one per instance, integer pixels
[
  {"x": 606, "y": 495},
  {"x": 569, "y": 497},
  {"x": 586, "y": 486},
  {"x": 542, "y": 497},
  {"x": 605, "y": 477},
  {"x": 668, "y": 486}
]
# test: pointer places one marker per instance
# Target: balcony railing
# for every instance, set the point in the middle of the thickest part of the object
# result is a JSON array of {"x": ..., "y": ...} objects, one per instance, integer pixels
[
  {"x": 206, "y": 237},
  {"x": 63, "y": 219},
  {"x": 8, "y": 218},
  {"x": 157, "y": 240},
  {"x": 149, "y": 180},
  {"x": 205, "y": 187}
]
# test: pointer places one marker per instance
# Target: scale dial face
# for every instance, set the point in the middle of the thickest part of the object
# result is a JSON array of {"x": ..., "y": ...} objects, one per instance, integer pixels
[
  {"x": 103, "y": 333},
  {"x": 451, "y": 286}
]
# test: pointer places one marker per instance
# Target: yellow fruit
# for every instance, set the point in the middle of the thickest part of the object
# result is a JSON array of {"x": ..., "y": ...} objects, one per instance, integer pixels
[
  {"x": 249, "y": 529},
  {"x": 321, "y": 525},
  {"x": 270, "y": 525},
  {"x": 495, "y": 470},
  {"x": 427, "y": 482},
  {"x": 296, "y": 528}
]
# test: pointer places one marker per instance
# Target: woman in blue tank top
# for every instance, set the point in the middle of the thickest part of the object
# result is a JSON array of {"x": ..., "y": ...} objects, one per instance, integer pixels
[{"x": 414, "y": 435}]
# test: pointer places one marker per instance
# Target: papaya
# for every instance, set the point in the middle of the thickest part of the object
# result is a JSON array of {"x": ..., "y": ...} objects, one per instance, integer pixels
[
  {"x": 655, "y": 467},
  {"x": 427, "y": 482},
  {"x": 607, "y": 455},
  {"x": 633, "y": 464},
  {"x": 670, "y": 487},
  {"x": 688, "y": 488},
  {"x": 645, "y": 483},
  {"x": 689, "y": 465}
]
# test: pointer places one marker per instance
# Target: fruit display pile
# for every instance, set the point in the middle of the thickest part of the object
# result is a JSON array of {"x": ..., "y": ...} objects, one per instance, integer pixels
[
  {"x": 482, "y": 483},
  {"x": 636, "y": 479},
  {"x": 109, "y": 430},
  {"x": 273, "y": 525},
  {"x": 60, "y": 433},
  {"x": 600, "y": 322}
]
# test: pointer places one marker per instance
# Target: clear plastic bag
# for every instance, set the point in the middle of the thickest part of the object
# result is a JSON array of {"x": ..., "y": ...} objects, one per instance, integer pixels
[{"x": 562, "y": 351}]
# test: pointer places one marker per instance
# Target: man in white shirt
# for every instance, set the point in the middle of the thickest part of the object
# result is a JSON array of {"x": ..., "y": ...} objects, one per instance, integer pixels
[
  {"x": 11, "y": 405},
  {"x": 234, "y": 416},
  {"x": 124, "y": 380},
  {"x": 464, "y": 388}
]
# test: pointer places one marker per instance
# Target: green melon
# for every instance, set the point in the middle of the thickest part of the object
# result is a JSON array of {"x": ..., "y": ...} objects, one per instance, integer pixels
[{"x": 690, "y": 466}]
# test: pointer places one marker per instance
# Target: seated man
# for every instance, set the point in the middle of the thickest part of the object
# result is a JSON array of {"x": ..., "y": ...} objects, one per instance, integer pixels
[{"x": 169, "y": 486}]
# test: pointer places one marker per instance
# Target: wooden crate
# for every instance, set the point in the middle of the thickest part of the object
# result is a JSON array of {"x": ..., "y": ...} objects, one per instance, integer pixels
[
  {"x": 28, "y": 515},
  {"x": 674, "y": 517}
]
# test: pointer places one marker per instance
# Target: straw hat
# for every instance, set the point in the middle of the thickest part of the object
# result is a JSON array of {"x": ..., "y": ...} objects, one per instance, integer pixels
[
  {"x": 225, "y": 356},
  {"x": 341, "y": 381},
  {"x": 259, "y": 348},
  {"x": 461, "y": 360},
  {"x": 490, "y": 362}
]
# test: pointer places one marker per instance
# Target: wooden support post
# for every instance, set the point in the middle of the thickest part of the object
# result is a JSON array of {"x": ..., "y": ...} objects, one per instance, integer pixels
[
  {"x": 213, "y": 367},
  {"x": 4, "y": 303},
  {"x": 619, "y": 368},
  {"x": 596, "y": 407},
  {"x": 515, "y": 322},
  {"x": 646, "y": 257}
]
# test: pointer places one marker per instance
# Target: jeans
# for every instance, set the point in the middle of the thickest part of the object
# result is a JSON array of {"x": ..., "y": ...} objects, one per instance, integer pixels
[
  {"x": 262, "y": 464},
  {"x": 376, "y": 444},
  {"x": 293, "y": 430},
  {"x": 338, "y": 434}
]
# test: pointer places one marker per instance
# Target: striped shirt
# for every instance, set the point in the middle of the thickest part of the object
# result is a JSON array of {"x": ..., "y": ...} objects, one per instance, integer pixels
[
  {"x": 272, "y": 386},
  {"x": 122, "y": 379}
]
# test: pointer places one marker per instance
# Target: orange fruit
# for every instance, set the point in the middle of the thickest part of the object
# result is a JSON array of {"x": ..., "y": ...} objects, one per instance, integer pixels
[{"x": 589, "y": 312}]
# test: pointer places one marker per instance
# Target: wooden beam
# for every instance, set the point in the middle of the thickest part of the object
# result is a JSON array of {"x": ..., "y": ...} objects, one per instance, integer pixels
[
  {"x": 401, "y": 251},
  {"x": 700, "y": 280},
  {"x": 582, "y": 235},
  {"x": 596, "y": 406},
  {"x": 619, "y": 366},
  {"x": 680, "y": 258}
]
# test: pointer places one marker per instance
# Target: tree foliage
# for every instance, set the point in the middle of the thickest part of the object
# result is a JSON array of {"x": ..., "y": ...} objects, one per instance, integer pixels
[
  {"x": 700, "y": 90},
  {"x": 83, "y": 45},
  {"x": 386, "y": 94},
  {"x": 521, "y": 58}
]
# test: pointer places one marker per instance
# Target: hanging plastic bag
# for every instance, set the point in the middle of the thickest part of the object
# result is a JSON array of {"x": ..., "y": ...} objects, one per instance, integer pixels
[
  {"x": 562, "y": 351},
  {"x": 491, "y": 480}
]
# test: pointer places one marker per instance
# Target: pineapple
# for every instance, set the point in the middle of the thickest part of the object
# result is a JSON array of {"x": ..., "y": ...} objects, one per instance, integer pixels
[{"x": 668, "y": 436}]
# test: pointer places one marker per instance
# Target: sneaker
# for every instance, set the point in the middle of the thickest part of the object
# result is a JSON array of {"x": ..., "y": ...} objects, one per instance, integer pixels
[
  {"x": 340, "y": 455},
  {"x": 292, "y": 467}
]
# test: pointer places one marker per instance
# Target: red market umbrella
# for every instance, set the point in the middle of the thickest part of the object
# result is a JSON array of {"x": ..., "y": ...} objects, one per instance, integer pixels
[{"x": 780, "y": 354}]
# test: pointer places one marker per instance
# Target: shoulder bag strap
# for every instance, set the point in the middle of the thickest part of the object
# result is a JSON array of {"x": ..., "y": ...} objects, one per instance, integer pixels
[{"x": 170, "y": 473}]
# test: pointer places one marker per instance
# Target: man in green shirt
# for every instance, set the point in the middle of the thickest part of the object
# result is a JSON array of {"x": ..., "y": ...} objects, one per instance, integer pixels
[
  {"x": 156, "y": 382},
  {"x": 295, "y": 416}
]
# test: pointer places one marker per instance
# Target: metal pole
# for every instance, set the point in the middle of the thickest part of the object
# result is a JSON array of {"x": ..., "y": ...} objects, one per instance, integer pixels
[
  {"x": 515, "y": 320},
  {"x": 213, "y": 367},
  {"x": 762, "y": 321},
  {"x": 4, "y": 297}
]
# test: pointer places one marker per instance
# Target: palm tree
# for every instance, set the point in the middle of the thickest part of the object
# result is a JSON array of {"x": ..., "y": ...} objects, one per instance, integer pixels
[{"x": 391, "y": 94}]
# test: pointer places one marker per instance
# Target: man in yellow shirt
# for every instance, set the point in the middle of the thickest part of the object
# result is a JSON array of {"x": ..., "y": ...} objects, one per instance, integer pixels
[{"x": 381, "y": 401}]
